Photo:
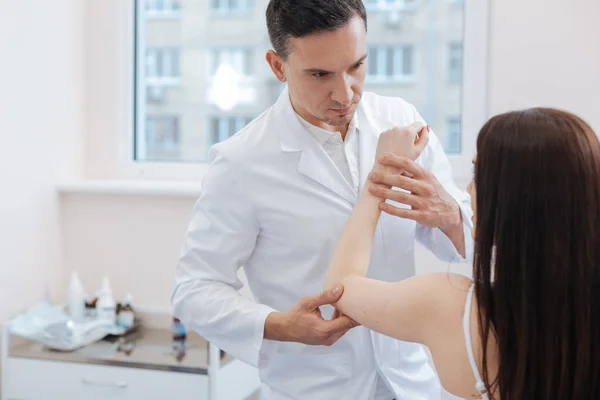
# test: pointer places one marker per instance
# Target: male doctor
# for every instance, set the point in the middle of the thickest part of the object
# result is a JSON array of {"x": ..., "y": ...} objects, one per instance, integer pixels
[{"x": 274, "y": 200}]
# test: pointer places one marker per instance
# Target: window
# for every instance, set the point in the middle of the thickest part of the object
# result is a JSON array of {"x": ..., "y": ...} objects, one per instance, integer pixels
[
  {"x": 455, "y": 63},
  {"x": 224, "y": 127},
  {"x": 162, "y": 62},
  {"x": 231, "y": 6},
  {"x": 162, "y": 138},
  {"x": 390, "y": 63},
  {"x": 239, "y": 59},
  {"x": 388, "y": 5},
  {"x": 452, "y": 138},
  {"x": 162, "y": 7},
  {"x": 198, "y": 78}
]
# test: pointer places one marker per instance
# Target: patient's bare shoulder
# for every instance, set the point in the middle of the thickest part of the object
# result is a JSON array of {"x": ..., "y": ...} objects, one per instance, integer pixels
[
  {"x": 447, "y": 293},
  {"x": 444, "y": 284},
  {"x": 450, "y": 289}
]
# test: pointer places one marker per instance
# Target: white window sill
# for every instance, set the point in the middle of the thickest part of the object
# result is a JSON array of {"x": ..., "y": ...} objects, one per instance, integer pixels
[{"x": 131, "y": 188}]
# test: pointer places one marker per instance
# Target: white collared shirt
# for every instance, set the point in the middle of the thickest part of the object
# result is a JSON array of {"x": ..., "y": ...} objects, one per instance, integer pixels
[{"x": 343, "y": 153}]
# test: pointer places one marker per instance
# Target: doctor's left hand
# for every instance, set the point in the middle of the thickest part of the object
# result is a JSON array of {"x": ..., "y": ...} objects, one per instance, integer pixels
[{"x": 430, "y": 204}]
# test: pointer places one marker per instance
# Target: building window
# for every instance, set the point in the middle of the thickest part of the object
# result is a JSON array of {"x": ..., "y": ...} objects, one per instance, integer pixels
[
  {"x": 390, "y": 5},
  {"x": 452, "y": 138},
  {"x": 158, "y": 7},
  {"x": 239, "y": 59},
  {"x": 162, "y": 62},
  {"x": 224, "y": 127},
  {"x": 455, "y": 63},
  {"x": 231, "y": 6},
  {"x": 390, "y": 63},
  {"x": 162, "y": 137}
]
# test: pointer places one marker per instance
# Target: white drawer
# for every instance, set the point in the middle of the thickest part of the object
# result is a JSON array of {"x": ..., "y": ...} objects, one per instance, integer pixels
[{"x": 50, "y": 380}]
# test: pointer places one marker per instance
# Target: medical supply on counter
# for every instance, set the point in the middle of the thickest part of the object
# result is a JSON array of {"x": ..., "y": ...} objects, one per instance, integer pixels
[
  {"x": 125, "y": 314},
  {"x": 76, "y": 302},
  {"x": 179, "y": 338},
  {"x": 53, "y": 327},
  {"x": 70, "y": 335},
  {"x": 90, "y": 308},
  {"x": 105, "y": 307}
]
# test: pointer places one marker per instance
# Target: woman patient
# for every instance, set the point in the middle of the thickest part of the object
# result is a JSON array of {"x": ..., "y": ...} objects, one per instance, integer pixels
[{"x": 528, "y": 325}]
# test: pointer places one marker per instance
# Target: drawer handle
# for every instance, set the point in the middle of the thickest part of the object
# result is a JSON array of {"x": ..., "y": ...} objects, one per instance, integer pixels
[{"x": 117, "y": 384}]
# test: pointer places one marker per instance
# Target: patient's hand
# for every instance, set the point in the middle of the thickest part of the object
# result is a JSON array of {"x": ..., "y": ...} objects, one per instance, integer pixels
[{"x": 408, "y": 141}]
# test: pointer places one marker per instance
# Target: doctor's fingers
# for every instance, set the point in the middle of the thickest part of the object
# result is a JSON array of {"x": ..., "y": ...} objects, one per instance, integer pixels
[
  {"x": 341, "y": 324},
  {"x": 395, "y": 195},
  {"x": 404, "y": 164},
  {"x": 396, "y": 180}
]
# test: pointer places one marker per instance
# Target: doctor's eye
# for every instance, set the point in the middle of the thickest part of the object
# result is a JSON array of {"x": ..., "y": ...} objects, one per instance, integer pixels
[
  {"x": 320, "y": 74},
  {"x": 357, "y": 66}
]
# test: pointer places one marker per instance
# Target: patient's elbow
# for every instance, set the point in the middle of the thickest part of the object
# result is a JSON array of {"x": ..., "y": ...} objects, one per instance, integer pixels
[{"x": 331, "y": 282}]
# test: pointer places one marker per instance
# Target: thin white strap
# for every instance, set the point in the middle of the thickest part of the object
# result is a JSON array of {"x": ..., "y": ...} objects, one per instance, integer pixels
[{"x": 479, "y": 385}]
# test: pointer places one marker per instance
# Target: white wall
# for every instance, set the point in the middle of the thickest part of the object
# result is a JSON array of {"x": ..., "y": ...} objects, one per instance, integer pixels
[
  {"x": 543, "y": 52},
  {"x": 41, "y": 116},
  {"x": 546, "y": 52}
]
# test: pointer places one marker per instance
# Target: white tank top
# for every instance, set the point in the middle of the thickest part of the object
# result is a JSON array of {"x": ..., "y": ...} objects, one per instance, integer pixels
[{"x": 479, "y": 385}]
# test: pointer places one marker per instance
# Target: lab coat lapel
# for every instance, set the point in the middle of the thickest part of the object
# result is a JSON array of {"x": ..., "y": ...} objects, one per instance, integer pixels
[{"x": 314, "y": 161}]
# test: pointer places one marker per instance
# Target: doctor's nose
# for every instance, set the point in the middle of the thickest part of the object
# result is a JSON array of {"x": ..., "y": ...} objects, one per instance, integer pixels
[{"x": 342, "y": 92}]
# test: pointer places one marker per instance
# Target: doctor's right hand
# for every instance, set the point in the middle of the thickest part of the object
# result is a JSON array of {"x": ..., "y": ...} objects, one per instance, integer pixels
[{"x": 303, "y": 323}]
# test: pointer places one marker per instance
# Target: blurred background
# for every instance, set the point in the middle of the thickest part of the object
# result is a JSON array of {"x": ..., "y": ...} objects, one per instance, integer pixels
[{"x": 108, "y": 109}]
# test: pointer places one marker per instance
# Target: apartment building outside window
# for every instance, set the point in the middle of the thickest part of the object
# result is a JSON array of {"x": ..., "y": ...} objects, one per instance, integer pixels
[{"x": 390, "y": 63}]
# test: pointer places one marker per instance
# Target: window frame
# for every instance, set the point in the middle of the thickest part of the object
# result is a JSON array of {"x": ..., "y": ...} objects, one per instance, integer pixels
[
  {"x": 455, "y": 77},
  {"x": 381, "y": 53},
  {"x": 226, "y": 11},
  {"x": 474, "y": 99},
  {"x": 166, "y": 12},
  {"x": 454, "y": 121}
]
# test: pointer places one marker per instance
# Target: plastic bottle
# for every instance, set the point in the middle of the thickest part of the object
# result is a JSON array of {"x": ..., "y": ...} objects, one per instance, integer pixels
[
  {"x": 179, "y": 338},
  {"x": 105, "y": 306},
  {"x": 126, "y": 315},
  {"x": 76, "y": 298}
]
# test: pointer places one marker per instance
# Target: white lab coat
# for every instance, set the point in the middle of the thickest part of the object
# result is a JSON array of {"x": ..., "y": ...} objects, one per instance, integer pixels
[{"x": 274, "y": 203}]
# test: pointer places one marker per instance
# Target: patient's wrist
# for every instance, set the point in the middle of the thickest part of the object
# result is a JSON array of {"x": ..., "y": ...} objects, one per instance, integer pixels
[{"x": 383, "y": 169}]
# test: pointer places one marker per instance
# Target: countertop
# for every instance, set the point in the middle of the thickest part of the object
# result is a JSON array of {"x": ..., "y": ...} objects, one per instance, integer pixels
[{"x": 152, "y": 351}]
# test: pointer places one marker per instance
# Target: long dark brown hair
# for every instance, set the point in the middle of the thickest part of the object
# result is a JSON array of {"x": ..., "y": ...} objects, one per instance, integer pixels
[{"x": 537, "y": 255}]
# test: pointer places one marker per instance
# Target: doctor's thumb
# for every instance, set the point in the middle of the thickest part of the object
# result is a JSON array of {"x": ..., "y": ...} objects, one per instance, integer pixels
[
  {"x": 332, "y": 295},
  {"x": 326, "y": 297}
]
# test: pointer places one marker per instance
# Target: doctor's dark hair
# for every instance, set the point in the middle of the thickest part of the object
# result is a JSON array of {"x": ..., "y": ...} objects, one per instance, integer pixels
[
  {"x": 299, "y": 18},
  {"x": 537, "y": 255}
]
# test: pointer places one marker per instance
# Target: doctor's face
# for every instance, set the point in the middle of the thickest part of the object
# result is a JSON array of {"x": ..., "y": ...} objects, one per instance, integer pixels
[{"x": 325, "y": 73}]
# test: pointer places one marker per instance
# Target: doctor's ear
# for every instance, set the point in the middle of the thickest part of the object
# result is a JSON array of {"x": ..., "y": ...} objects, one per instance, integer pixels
[{"x": 276, "y": 63}]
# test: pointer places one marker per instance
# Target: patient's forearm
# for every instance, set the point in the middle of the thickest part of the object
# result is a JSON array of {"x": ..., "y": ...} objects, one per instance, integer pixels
[{"x": 353, "y": 251}]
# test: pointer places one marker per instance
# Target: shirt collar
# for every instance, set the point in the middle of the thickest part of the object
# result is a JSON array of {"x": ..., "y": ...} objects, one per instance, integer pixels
[{"x": 322, "y": 135}]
